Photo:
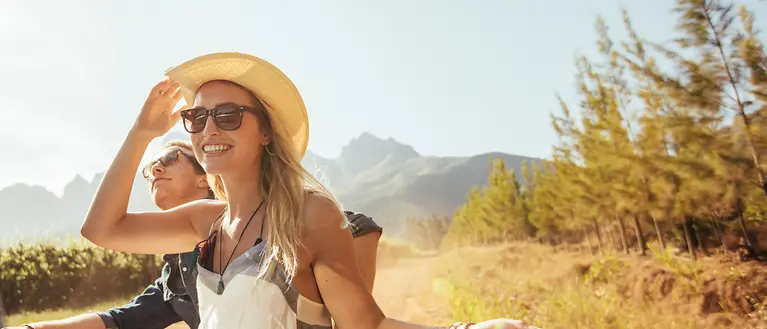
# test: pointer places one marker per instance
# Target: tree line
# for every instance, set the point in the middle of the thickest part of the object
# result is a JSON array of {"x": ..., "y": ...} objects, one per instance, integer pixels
[{"x": 666, "y": 137}]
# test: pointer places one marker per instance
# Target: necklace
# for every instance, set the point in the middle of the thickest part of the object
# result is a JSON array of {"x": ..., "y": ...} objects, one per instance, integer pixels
[{"x": 220, "y": 288}]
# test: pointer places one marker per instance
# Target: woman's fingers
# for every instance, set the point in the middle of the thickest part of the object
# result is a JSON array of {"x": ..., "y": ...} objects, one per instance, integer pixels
[
  {"x": 160, "y": 87},
  {"x": 176, "y": 93},
  {"x": 169, "y": 88}
]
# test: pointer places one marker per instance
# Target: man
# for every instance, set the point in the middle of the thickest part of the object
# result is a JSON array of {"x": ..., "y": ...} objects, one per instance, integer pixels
[{"x": 175, "y": 178}]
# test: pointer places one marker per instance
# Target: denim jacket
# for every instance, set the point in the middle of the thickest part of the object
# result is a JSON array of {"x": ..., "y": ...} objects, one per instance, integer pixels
[{"x": 173, "y": 296}]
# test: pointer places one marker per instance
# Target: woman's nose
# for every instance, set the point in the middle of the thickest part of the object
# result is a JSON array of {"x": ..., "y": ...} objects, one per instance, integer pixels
[{"x": 211, "y": 129}]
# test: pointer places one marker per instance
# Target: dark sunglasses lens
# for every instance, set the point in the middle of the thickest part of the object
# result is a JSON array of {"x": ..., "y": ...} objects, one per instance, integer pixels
[
  {"x": 165, "y": 160},
  {"x": 194, "y": 120},
  {"x": 169, "y": 158},
  {"x": 228, "y": 117}
]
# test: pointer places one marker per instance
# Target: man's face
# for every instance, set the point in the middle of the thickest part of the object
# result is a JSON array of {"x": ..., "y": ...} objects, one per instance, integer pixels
[{"x": 173, "y": 179}]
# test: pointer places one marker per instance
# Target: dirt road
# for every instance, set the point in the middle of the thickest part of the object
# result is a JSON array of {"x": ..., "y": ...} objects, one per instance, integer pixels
[{"x": 405, "y": 292}]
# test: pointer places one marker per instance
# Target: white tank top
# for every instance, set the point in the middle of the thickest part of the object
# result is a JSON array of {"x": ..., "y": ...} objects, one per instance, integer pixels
[{"x": 253, "y": 303}]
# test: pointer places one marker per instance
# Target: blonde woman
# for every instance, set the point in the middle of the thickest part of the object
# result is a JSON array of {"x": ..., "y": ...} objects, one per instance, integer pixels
[{"x": 276, "y": 252}]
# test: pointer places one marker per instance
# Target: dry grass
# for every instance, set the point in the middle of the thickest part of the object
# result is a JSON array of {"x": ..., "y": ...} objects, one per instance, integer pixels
[
  {"x": 392, "y": 251},
  {"x": 571, "y": 290}
]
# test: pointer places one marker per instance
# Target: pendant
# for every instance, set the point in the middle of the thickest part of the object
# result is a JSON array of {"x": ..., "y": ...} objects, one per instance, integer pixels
[{"x": 220, "y": 289}]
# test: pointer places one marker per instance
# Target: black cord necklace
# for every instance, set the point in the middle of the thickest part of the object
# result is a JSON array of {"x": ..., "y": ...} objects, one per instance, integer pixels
[{"x": 220, "y": 288}]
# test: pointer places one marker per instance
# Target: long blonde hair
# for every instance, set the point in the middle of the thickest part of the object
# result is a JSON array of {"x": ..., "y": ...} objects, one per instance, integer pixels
[{"x": 284, "y": 185}]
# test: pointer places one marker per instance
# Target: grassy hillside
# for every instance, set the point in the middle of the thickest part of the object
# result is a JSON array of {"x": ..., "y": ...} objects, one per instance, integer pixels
[{"x": 573, "y": 290}]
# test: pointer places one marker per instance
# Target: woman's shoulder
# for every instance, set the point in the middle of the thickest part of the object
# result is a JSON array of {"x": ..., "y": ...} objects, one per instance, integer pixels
[
  {"x": 326, "y": 228},
  {"x": 203, "y": 205},
  {"x": 322, "y": 211},
  {"x": 202, "y": 213}
]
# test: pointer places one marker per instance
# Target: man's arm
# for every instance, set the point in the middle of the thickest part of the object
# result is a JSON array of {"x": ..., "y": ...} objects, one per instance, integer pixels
[
  {"x": 367, "y": 234},
  {"x": 146, "y": 311},
  {"x": 82, "y": 321}
]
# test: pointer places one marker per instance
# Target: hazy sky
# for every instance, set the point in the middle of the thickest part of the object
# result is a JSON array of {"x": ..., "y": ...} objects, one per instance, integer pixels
[{"x": 447, "y": 77}]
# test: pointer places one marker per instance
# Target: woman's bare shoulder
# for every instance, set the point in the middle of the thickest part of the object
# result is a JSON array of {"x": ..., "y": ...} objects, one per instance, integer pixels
[
  {"x": 325, "y": 226},
  {"x": 322, "y": 211},
  {"x": 202, "y": 213}
]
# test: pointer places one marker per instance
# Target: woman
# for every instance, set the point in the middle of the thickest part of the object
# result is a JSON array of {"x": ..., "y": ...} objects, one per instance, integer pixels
[{"x": 277, "y": 252}]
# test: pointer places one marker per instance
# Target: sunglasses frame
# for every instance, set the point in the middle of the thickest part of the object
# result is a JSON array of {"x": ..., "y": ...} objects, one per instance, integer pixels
[
  {"x": 185, "y": 114},
  {"x": 152, "y": 163},
  {"x": 201, "y": 254}
]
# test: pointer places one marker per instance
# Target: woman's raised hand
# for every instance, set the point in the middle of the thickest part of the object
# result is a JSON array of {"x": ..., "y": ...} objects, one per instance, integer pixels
[{"x": 157, "y": 116}]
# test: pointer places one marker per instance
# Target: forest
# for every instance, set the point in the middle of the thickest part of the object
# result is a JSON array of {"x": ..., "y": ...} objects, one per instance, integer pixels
[{"x": 666, "y": 144}]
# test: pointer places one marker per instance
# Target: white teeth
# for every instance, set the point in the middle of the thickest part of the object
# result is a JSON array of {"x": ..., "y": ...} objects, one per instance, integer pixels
[{"x": 215, "y": 148}]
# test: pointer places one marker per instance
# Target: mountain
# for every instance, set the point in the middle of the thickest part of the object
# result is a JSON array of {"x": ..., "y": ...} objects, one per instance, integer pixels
[
  {"x": 380, "y": 177},
  {"x": 390, "y": 180}
]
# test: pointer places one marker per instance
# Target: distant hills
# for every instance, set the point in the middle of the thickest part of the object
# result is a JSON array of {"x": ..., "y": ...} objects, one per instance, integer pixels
[{"x": 380, "y": 177}]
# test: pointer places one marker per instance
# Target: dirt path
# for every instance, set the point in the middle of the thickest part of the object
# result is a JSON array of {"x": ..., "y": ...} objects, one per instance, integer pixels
[{"x": 405, "y": 292}]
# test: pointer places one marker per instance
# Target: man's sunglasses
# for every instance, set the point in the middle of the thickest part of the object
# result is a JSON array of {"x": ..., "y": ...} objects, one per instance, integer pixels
[
  {"x": 226, "y": 117},
  {"x": 167, "y": 160}
]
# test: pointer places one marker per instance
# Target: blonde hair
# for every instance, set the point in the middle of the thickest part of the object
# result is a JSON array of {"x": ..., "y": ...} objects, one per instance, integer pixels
[
  {"x": 285, "y": 184},
  {"x": 180, "y": 144}
]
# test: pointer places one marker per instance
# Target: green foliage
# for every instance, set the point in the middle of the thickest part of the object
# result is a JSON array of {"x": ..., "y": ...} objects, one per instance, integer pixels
[
  {"x": 648, "y": 148},
  {"x": 498, "y": 212},
  {"x": 44, "y": 276}
]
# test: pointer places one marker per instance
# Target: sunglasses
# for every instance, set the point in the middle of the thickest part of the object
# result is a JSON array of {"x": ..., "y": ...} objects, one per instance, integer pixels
[
  {"x": 166, "y": 160},
  {"x": 202, "y": 251},
  {"x": 226, "y": 117}
]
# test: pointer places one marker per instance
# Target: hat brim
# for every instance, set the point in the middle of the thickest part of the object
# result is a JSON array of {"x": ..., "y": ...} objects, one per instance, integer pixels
[{"x": 267, "y": 82}]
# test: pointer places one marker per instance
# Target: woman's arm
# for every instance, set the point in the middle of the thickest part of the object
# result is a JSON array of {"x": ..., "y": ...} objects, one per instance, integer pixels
[
  {"x": 108, "y": 223},
  {"x": 342, "y": 288},
  {"x": 337, "y": 273}
]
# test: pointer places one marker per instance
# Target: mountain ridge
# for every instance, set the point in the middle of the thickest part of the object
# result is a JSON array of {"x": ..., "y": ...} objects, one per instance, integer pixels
[{"x": 383, "y": 178}]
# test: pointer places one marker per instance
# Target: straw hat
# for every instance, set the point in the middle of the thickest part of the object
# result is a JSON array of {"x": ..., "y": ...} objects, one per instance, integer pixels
[{"x": 267, "y": 82}]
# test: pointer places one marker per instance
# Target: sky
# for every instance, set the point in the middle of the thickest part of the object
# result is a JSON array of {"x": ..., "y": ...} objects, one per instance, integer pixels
[{"x": 448, "y": 77}]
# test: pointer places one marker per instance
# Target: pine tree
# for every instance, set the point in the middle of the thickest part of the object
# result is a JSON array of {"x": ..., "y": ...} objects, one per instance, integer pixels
[
  {"x": 569, "y": 196},
  {"x": 724, "y": 73},
  {"x": 469, "y": 223},
  {"x": 501, "y": 198},
  {"x": 654, "y": 145}
]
